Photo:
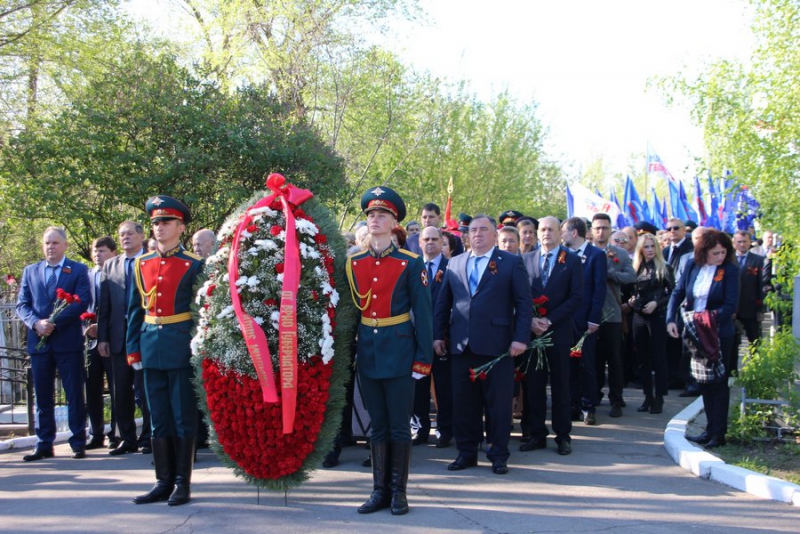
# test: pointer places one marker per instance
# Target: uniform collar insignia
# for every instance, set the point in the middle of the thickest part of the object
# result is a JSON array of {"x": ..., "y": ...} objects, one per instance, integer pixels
[{"x": 171, "y": 252}]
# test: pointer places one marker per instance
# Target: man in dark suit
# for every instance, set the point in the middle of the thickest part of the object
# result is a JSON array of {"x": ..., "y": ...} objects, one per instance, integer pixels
[
  {"x": 485, "y": 302},
  {"x": 100, "y": 370},
  {"x": 554, "y": 273},
  {"x": 112, "y": 328},
  {"x": 431, "y": 216},
  {"x": 57, "y": 343},
  {"x": 436, "y": 265},
  {"x": 160, "y": 325},
  {"x": 680, "y": 245},
  {"x": 587, "y": 319},
  {"x": 751, "y": 292}
]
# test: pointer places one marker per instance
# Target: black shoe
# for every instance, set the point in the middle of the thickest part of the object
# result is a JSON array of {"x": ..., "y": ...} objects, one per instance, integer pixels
[
  {"x": 38, "y": 454},
  {"x": 79, "y": 453},
  {"x": 95, "y": 444},
  {"x": 462, "y": 463},
  {"x": 367, "y": 462},
  {"x": 113, "y": 443},
  {"x": 657, "y": 405},
  {"x": 689, "y": 392},
  {"x": 420, "y": 440},
  {"x": 377, "y": 501},
  {"x": 564, "y": 447},
  {"x": 123, "y": 449},
  {"x": 645, "y": 407},
  {"x": 146, "y": 448},
  {"x": 622, "y": 404},
  {"x": 332, "y": 458},
  {"x": 499, "y": 467},
  {"x": 702, "y": 439},
  {"x": 616, "y": 411},
  {"x": 442, "y": 443},
  {"x": 713, "y": 443},
  {"x": 588, "y": 419},
  {"x": 533, "y": 445}
]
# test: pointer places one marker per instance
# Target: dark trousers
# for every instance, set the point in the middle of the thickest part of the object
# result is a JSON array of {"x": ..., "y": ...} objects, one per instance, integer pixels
[
  {"x": 557, "y": 373},
  {"x": 649, "y": 337},
  {"x": 172, "y": 401},
  {"x": 716, "y": 396},
  {"x": 73, "y": 377},
  {"x": 583, "y": 390},
  {"x": 609, "y": 353},
  {"x": 390, "y": 403},
  {"x": 124, "y": 401},
  {"x": 494, "y": 394},
  {"x": 98, "y": 373},
  {"x": 422, "y": 406},
  {"x": 443, "y": 385},
  {"x": 630, "y": 362}
]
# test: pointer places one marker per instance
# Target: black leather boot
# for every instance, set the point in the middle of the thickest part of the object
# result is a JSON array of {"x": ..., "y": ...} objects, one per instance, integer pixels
[
  {"x": 184, "y": 463},
  {"x": 380, "y": 497},
  {"x": 401, "y": 460},
  {"x": 645, "y": 407},
  {"x": 658, "y": 404},
  {"x": 164, "y": 462}
]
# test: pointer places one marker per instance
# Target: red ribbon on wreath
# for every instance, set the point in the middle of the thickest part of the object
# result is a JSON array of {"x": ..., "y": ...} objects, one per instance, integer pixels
[{"x": 254, "y": 336}]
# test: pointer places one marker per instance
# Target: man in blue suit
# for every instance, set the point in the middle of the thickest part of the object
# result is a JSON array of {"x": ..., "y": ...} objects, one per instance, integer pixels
[
  {"x": 554, "y": 273},
  {"x": 587, "y": 319},
  {"x": 436, "y": 265},
  {"x": 485, "y": 302},
  {"x": 63, "y": 340}
]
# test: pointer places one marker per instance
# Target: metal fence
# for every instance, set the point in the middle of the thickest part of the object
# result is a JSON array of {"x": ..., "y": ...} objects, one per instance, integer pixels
[{"x": 16, "y": 379}]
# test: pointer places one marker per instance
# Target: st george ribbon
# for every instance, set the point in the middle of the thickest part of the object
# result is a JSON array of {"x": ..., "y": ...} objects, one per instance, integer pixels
[{"x": 253, "y": 334}]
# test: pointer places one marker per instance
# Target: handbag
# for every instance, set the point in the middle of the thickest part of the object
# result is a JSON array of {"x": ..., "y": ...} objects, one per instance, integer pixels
[{"x": 701, "y": 339}]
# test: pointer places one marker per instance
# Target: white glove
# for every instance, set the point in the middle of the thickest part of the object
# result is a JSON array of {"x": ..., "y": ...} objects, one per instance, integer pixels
[
  {"x": 417, "y": 376},
  {"x": 137, "y": 366}
]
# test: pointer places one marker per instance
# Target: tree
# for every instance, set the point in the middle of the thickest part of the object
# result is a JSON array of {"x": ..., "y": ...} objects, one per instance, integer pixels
[{"x": 148, "y": 126}]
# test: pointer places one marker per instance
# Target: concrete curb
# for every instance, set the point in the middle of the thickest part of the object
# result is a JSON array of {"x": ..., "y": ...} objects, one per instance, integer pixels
[{"x": 705, "y": 465}]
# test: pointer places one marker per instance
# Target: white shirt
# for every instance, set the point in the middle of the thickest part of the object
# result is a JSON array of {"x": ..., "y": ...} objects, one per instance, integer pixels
[{"x": 702, "y": 286}]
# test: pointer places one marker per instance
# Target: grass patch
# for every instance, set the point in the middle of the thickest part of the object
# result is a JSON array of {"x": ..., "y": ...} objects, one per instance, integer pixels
[{"x": 780, "y": 460}]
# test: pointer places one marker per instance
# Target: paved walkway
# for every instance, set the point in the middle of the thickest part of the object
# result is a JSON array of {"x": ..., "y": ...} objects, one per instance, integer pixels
[{"x": 619, "y": 479}]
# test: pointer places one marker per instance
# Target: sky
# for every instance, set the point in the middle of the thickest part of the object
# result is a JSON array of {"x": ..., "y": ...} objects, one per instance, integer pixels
[{"x": 586, "y": 63}]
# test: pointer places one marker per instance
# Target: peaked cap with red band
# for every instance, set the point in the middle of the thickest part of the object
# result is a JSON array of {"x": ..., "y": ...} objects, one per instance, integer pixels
[
  {"x": 383, "y": 198},
  {"x": 162, "y": 208}
]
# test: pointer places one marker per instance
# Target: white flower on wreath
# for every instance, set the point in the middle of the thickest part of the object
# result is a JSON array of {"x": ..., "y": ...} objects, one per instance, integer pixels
[{"x": 306, "y": 227}]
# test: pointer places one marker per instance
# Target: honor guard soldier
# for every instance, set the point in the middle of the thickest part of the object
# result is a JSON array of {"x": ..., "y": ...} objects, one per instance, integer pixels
[
  {"x": 388, "y": 284},
  {"x": 160, "y": 328}
]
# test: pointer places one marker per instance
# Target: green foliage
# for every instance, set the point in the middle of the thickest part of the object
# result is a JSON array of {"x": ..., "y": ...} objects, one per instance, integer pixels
[
  {"x": 147, "y": 126},
  {"x": 768, "y": 372}
]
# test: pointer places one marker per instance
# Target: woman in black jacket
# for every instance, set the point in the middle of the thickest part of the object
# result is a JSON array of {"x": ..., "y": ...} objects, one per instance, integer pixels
[{"x": 654, "y": 283}]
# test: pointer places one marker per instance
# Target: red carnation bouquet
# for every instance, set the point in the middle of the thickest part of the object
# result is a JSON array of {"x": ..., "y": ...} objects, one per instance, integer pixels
[{"x": 63, "y": 299}]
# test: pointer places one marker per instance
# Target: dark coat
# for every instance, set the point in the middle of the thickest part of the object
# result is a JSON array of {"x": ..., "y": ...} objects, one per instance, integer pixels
[
  {"x": 751, "y": 292},
  {"x": 723, "y": 295}
]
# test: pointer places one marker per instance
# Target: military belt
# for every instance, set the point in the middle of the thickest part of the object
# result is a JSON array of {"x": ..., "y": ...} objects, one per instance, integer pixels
[
  {"x": 168, "y": 319},
  {"x": 386, "y": 321}
]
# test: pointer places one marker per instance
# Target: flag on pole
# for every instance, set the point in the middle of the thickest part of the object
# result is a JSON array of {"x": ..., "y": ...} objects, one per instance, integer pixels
[
  {"x": 728, "y": 207},
  {"x": 659, "y": 207},
  {"x": 633, "y": 208},
  {"x": 581, "y": 202},
  {"x": 699, "y": 205},
  {"x": 621, "y": 222},
  {"x": 690, "y": 213},
  {"x": 448, "y": 210},
  {"x": 656, "y": 166},
  {"x": 713, "y": 212}
]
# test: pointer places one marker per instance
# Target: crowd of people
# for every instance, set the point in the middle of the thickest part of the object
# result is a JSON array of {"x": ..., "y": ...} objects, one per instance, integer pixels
[
  {"x": 522, "y": 304},
  {"x": 480, "y": 316}
]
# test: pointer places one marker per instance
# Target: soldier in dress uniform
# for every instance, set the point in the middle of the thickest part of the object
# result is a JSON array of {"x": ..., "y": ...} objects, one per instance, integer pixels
[
  {"x": 160, "y": 328},
  {"x": 388, "y": 284}
]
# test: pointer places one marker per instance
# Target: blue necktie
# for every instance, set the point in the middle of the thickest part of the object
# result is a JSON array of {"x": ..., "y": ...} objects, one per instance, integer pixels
[
  {"x": 96, "y": 290},
  {"x": 546, "y": 268},
  {"x": 128, "y": 274},
  {"x": 474, "y": 276},
  {"x": 741, "y": 261},
  {"x": 430, "y": 271},
  {"x": 52, "y": 282}
]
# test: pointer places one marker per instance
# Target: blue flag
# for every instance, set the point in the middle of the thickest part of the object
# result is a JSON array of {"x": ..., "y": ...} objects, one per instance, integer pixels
[
  {"x": 699, "y": 204},
  {"x": 633, "y": 208},
  {"x": 690, "y": 213},
  {"x": 728, "y": 208},
  {"x": 622, "y": 221},
  {"x": 570, "y": 203},
  {"x": 713, "y": 213},
  {"x": 659, "y": 221}
]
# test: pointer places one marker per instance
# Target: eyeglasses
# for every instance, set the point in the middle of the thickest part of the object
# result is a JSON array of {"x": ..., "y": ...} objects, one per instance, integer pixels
[
  {"x": 620, "y": 240},
  {"x": 673, "y": 228}
]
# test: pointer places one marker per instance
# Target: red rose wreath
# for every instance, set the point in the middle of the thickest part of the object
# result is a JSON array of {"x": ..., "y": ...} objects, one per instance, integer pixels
[{"x": 272, "y": 343}]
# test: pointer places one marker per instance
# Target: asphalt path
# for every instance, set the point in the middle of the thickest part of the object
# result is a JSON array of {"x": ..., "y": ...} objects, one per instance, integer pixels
[{"x": 618, "y": 479}]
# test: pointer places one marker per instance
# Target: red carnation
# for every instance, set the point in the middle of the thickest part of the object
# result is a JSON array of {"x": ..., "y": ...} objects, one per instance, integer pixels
[
  {"x": 483, "y": 375},
  {"x": 314, "y": 295},
  {"x": 270, "y": 302},
  {"x": 276, "y": 229},
  {"x": 279, "y": 268},
  {"x": 88, "y": 316},
  {"x": 252, "y": 228},
  {"x": 69, "y": 298},
  {"x": 320, "y": 239},
  {"x": 211, "y": 289},
  {"x": 299, "y": 213},
  {"x": 60, "y": 293}
]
